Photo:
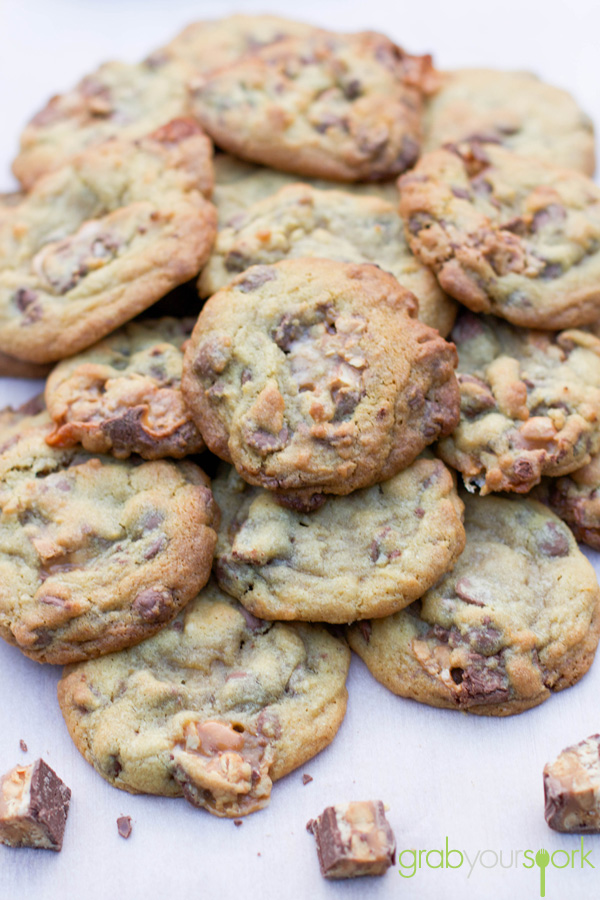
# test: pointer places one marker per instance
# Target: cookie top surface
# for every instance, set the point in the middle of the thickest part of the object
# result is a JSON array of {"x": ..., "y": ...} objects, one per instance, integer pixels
[
  {"x": 102, "y": 238},
  {"x": 300, "y": 220},
  {"x": 95, "y": 554},
  {"x": 345, "y": 107},
  {"x": 388, "y": 543},
  {"x": 515, "y": 109},
  {"x": 240, "y": 184},
  {"x": 213, "y": 43},
  {"x": 530, "y": 404},
  {"x": 123, "y": 395},
  {"x": 313, "y": 376},
  {"x": 117, "y": 100},
  {"x": 575, "y": 498},
  {"x": 216, "y": 707},
  {"x": 516, "y": 619},
  {"x": 507, "y": 234}
]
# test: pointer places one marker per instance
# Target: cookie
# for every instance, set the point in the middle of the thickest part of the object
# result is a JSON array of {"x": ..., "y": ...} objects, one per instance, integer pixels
[
  {"x": 312, "y": 376},
  {"x": 302, "y": 221},
  {"x": 215, "y": 708},
  {"x": 575, "y": 498},
  {"x": 103, "y": 238},
  {"x": 507, "y": 234},
  {"x": 10, "y": 367},
  {"x": 515, "y": 620},
  {"x": 389, "y": 544},
  {"x": 515, "y": 109},
  {"x": 343, "y": 107},
  {"x": 123, "y": 395},
  {"x": 95, "y": 554},
  {"x": 530, "y": 404},
  {"x": 118, "y": 100},
  {"x": 211, "y": 44},
  {"x": 572, "y": 788},
  {"x": 239, "y": 185}
]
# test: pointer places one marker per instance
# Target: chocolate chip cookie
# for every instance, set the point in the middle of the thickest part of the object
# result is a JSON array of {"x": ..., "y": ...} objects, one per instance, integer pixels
[
  {"x": 313, "y": 376},
  {"x": 95, "y": 554},
  {"x": 240, "y": 184},
  {"x": 389, "y": 544},
  {"x": 302, "y": 221},
  {"x": 215, "y": 708},
  {"x": 10, "y": 367},
  {"x": 575, "y": 498},
  {"x": 123, "y": 395},
  {"x": 515, "y": 620},
  {"x": 515, "y": 109},
  {"x": 117, "y": 100},
  {"x": 213, "y": 43},
  {"x": 530, "y": 404},
  {"x": 103, "y": 238},
  {"x": 344, "y": 107},
  {"x": 507, "y": 234}
]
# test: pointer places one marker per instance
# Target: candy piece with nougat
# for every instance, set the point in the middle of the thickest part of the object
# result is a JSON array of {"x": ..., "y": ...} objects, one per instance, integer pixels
[
  {"x": 34, "y": 805},
  {"x": 354, "y": 839},
  {"x": 572, "y": 788}
]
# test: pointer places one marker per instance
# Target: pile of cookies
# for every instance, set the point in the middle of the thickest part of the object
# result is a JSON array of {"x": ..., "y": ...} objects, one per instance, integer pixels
[{"x": 401, "y": 276}]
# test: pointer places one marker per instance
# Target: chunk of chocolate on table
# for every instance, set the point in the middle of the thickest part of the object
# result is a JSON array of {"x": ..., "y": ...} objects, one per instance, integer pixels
[
  {"x": 124, "y": 826},
  {"x": 34, "y": 804},
  {"x": 353, "y": 839},
  {"x": 572, "y": 788}
]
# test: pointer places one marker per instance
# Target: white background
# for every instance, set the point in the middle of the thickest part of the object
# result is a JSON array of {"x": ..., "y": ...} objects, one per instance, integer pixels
[{"x": 476, "y": 780}]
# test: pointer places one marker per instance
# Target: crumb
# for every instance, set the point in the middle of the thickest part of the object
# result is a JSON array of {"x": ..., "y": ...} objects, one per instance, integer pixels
[
  {"x": 124, "y": 826},
  {"x": 23, "y": 746},
  {"x": 237, "y": 822},
  {"x": 306, "y": 778}
]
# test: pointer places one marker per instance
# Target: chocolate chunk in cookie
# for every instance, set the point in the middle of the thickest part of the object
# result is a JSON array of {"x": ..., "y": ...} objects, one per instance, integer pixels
[
  {"x": 214, "y": 708},
  {"x": 354, "y": 839},
  {"x": 302, "y": 221},
  {"x": 102, "y": 238},
  {"x": 96, "y": 554},
  {"x": 313, "y": 376},
  {"x": 572, "y": 788},
  {"x": 123, "y": 395},
  {"x": 575, "y": 498},
  {"x": 530, "y": 404},
  {"x": 118, "y": 100},
  {"x": 507, "y": 234},
  {"x": 515, "y": 109},
  {"x": 370, "y": 553},
  {"x": 515, "y": 620},
  {"x": 345, "y": 107},
  {"x": 34, "y": 805}
]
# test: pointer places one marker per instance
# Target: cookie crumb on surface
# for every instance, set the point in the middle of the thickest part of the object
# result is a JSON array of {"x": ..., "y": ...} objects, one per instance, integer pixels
[
  {"x": 124, "y": 826},
  {"x": 306, "y": 778},
  {"x": 23, "y": 746}
]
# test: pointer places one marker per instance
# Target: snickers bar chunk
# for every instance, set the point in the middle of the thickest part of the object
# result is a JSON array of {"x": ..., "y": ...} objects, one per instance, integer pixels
[
  {"x": 34, "y": 804},
  {"x": 514, "y": 621},
  {"x": 572, "y": 788},
  {"x": 353, "y": 839}
]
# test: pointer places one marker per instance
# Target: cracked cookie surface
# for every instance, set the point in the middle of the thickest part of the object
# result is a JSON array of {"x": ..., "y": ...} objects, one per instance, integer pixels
[
  {"x": 123, "y": 395},
  {"x": 118, "y": 100},
  {"x": 530, "y": 404},
  {"x": 215, "y": 708},
  {"x": 300, "y": 220},
  {"x": 313, "y": 376},
  {"x": 507, "y": 234},
  {"x": 515, "y": 109},
  {"x": 102, "y": 238},
  {"x": 95, "y": 554},
  {"x": 370, "y": 553},
  {"x": 516, "y": 619},
  {"x": 345, "y": 107}
]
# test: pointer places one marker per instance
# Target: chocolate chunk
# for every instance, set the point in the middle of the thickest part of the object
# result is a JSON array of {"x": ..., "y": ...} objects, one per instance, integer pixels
[
  {"x": 124, "y": 826},
  {"x": 306, "y": 778},
  {"x": 238, "y": 822},
  {"x": 552, "y": 541},
  {"x": 572, "y": 788},
  {"x": 154, "y": 605},
  {"x": 353, "y": 839},
  {"x": 34, "y": 804},
  {"x": 256, "y": 277},
  {"x": 23, "y": 746}
]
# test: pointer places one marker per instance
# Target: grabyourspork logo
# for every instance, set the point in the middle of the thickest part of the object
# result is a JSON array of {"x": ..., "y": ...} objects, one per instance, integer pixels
[{"x": 411, "y": 861}]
